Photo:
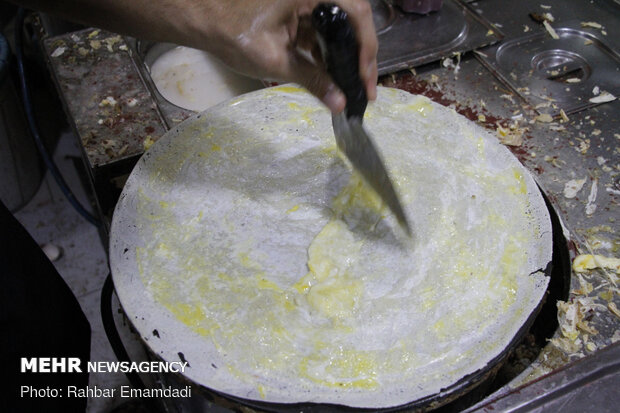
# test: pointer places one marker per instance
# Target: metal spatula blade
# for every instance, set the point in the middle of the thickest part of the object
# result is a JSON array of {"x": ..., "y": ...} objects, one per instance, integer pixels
[{"x": 340, "y": 52}]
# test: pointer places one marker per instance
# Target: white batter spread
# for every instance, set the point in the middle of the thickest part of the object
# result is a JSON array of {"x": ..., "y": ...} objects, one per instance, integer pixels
[
  {"x": 282, "y": 277},
  {"x": 195, "y": 80}
]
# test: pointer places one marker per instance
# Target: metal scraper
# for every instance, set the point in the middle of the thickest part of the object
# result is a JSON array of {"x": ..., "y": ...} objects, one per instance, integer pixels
[{"x": 339, "y": 47}]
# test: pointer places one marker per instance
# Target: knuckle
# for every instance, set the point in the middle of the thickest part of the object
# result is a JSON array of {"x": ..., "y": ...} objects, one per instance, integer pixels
[{"x": 272, "y": 59}]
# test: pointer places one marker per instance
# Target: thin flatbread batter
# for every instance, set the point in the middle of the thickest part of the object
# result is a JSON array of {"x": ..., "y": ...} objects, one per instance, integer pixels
[{"x": 245, "y": 240}]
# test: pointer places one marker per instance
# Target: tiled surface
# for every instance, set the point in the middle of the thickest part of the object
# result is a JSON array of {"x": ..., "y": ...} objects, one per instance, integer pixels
[{"x": 49, "y": 218}]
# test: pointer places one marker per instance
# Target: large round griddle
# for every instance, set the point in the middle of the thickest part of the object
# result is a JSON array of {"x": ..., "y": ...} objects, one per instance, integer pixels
[{"x": 212, "y": 233}]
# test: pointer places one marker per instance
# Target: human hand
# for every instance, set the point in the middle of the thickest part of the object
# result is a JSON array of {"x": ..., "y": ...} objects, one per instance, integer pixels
[
  {"x": 272, "y": 39},
  {"x": 266, "y": 39}
]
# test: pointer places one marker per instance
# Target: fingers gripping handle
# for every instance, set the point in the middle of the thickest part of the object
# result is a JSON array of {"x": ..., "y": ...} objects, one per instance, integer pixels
[{"x": 340, "y": 51}]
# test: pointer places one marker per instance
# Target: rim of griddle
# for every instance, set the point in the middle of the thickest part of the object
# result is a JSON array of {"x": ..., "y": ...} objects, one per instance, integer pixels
[
  {"x": 432, "y": 401},
  {"x": 560, "y": 261}
]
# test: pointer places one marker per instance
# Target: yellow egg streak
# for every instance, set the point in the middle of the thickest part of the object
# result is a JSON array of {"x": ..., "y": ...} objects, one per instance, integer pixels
[{"x": 310, "y": 324}]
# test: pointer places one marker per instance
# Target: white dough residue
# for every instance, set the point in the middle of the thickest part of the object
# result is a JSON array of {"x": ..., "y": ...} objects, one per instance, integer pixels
[
  {"x": 195, "y": 80},
  {"x": 244, "y": 239}
]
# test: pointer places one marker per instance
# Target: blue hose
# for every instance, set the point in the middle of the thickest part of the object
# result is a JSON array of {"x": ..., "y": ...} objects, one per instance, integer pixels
[{"x": 47, "y": 159}]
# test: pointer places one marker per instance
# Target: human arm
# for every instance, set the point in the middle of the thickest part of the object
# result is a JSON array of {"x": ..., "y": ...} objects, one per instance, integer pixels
[{"x": 260, "y": 38}]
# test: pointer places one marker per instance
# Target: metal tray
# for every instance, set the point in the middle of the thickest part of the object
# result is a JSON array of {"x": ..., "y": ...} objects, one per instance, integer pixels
[
  {"x": 408, "y": 39},
  {"x": 557, "y": 74}
]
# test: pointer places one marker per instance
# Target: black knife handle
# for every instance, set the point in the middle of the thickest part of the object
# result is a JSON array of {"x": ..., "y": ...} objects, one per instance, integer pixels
[{"x": 339, "y": 47}]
